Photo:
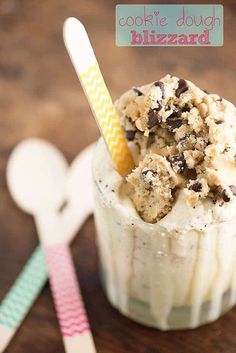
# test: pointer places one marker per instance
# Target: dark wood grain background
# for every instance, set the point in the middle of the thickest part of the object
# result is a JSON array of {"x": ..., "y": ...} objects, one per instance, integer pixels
[{"x": 41, "y": 96}]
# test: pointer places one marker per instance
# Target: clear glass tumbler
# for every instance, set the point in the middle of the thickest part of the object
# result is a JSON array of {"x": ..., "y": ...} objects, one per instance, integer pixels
[{"x": 164, "y": 279}]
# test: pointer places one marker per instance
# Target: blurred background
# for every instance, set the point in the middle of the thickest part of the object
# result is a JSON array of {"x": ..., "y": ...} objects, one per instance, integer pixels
[{"x": 41, "y": 96}]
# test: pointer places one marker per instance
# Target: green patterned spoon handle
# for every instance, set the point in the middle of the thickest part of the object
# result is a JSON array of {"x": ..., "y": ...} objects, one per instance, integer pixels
[{"x": 21, "y": 296}]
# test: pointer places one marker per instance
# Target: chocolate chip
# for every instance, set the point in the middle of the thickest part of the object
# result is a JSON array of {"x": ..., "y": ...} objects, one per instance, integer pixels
[
  {"x": 196, "y": 187},
  {"x": 136, "y": 90},
  {"x": 153, "y": 118},
  {"x": 219, "y": 99},
  {"x": 182, "y": 87},
  {"x": 130, "y": 134},
  {"x": 185, "y": 108},
  {"x": 176, "y": 113},
  {"x": 167, "y": 107},
  {"x": 162, "y": 88},
  {"x": 225, "y": 197},
  {"x": 177, "y": 162},
  {"x": 179, "y": 110},
  {"x": 173, "y": 121},
  {"x": 144, "y": 172},
  {"x": 173, "y": 192},
  {"x": 147, "y": 182},
  {"x": 226, "y": 149},
  {"x": 159, "y": 106},
  {"x": 204, "y": 90},
  {"x": 218, "y": 122},
  {"x": 151, "y": 139},
  {"x": 129, "y": 118},
  {"x": 191, "y": 174},
  {"x": 233, "y": 189}
]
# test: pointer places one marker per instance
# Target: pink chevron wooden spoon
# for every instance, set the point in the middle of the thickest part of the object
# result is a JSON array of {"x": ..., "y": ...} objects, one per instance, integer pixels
[{"x": 36, "y": 178}]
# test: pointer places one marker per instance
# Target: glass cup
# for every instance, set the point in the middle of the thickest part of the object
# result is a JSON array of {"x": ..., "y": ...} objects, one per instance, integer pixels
[{"x": 164, "y": 279}]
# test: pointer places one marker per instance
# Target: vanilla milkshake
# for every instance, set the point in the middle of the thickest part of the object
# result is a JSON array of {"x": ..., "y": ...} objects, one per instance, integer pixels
[{"x": 167, "y": 231}]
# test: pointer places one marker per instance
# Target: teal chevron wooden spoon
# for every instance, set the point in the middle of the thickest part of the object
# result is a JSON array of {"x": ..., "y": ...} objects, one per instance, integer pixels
[{"x": 18, "y": 301}]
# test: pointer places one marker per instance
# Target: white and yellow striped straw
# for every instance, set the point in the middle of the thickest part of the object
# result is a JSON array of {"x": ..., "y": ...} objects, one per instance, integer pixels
[{"x": 87, "y": 69}]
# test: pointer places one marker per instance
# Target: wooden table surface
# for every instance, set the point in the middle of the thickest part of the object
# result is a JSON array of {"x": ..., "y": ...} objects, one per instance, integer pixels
[{"x": 41, "y": 96}]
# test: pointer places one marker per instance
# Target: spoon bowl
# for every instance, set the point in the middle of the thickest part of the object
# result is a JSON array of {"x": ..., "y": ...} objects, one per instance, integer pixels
[{"x": 36, "y": 175}]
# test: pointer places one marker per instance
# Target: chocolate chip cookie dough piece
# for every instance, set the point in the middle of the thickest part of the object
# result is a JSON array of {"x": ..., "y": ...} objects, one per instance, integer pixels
[{"x": 151, "y": 186}]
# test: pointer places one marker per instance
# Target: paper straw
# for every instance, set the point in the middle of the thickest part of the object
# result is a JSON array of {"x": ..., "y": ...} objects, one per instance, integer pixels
[{"x": 87, "y": 69}]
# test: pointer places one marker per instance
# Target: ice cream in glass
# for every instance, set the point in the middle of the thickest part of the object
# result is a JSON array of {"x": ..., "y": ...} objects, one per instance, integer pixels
[{"x": 166, "y": 232}]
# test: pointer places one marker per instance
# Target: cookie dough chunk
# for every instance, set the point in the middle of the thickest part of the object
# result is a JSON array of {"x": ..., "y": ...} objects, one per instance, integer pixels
[
  {"x": 151, "y": 187},
  {"x": 195, "y": 190}
]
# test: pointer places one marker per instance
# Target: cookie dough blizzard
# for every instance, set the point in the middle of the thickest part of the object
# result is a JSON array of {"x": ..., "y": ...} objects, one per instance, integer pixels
[{"x": 183, "y": 139}]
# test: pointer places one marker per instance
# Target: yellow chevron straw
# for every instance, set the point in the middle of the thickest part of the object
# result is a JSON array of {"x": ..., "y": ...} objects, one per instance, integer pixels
[{"x": 87, "y": 69}]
